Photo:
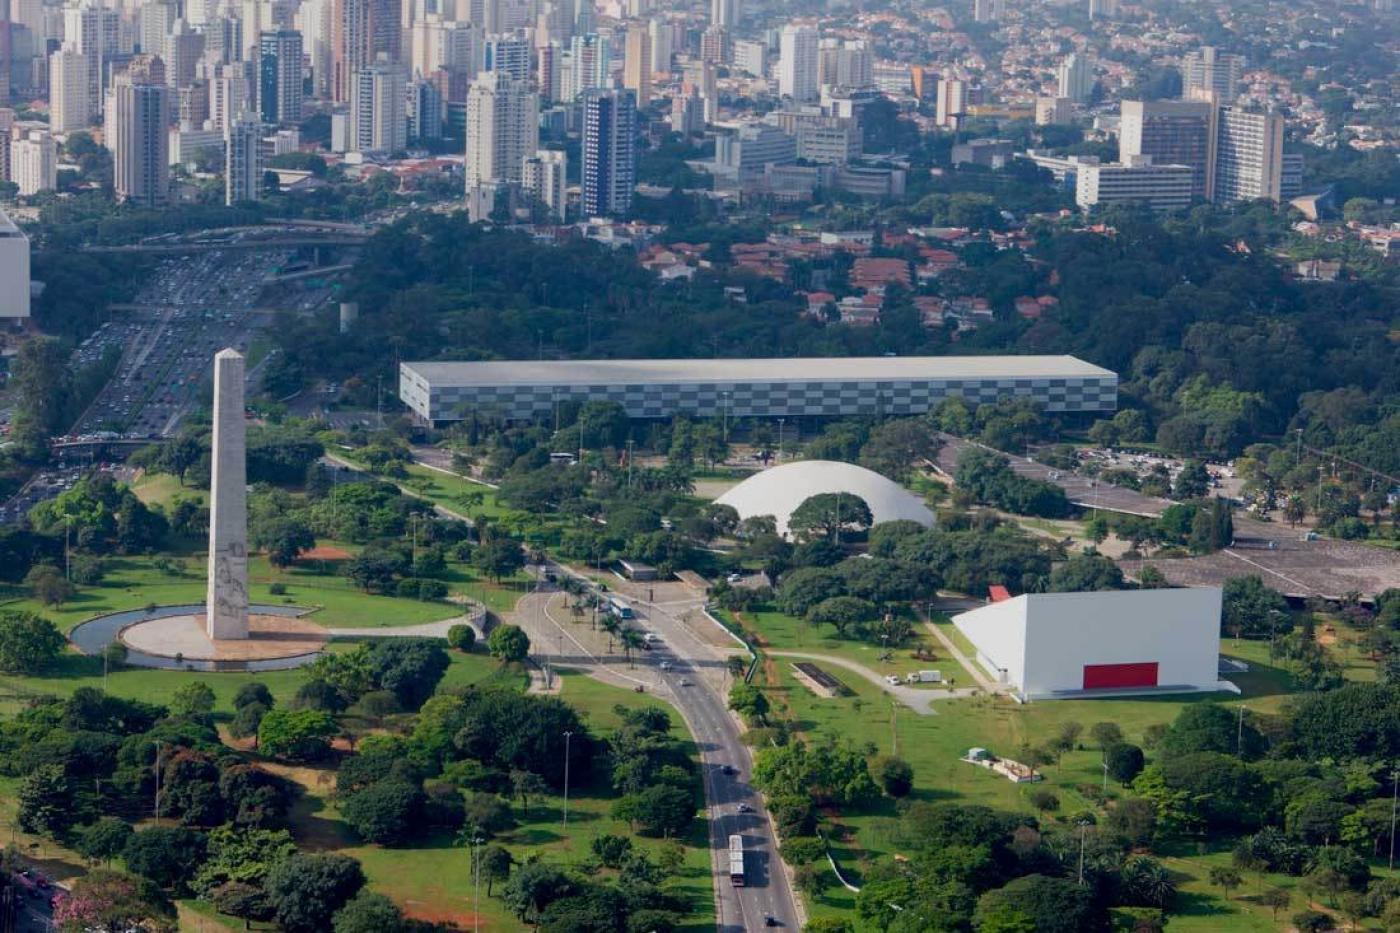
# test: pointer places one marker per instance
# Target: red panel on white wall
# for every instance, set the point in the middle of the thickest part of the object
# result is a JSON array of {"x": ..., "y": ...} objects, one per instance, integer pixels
[{"x": 1108, "y": 676}]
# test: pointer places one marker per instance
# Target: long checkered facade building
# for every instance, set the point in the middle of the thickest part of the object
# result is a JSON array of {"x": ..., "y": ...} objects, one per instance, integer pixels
[{"x": 765, "y": 388}]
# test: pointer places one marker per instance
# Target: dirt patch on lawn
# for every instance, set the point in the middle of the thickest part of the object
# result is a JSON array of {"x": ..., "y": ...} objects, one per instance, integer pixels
[{"x": 324, "y": 552}]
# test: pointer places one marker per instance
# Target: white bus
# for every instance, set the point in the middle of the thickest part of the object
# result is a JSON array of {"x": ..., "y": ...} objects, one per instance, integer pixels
[
  {"x": 736, "y": 860},
  {"x": 619, "y": 607}
]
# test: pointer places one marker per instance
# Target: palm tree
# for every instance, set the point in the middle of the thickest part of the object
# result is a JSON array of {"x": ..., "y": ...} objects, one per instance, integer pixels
[
  {"x": 631, "y": 639},
  {"x": 611, "y": 627}
]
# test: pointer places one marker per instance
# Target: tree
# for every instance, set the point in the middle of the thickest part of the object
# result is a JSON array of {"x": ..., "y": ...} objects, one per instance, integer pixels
[
  {"x": 1044, "y": 800},
  {"x": 494, "y": 863},
  {"x": 47, "y": 799},
  {"x": 192, "y": 701},
  {"x": 896, "y": 447},
  {"x": 247, "y": 719},
  {"x": 1193, "y": 482},
  {"x": 245, "y": 901},
  {"x": 1125, "y": 761},
  {"x": 828, "y": 514},
  {"x": 387, "y": 812},
  {"x": 103, "y": 840},
  {"x": 896, "y": 775},
  {"x": 462, "y": 637},
  {"x": 306, "y": 890},
  {"x": 283, "y": 538},
  {"x": 1133, "y": 820},
  {"x": 48, "y": 585},
  {"x": 1086, "y": 572},
  {"x": 28, "y": 642},
  {"x": 1251, "y": 608},
  {"x": 368, "y": 912},
  {"x": 109, "y": 900},
  {"x": 253, "y": 692},
  {"x": 508, "y": 643},
  {"x": 1145, "y": 882},
  {"x": 748, "y": 701},
  {"x": 844, "y": 613},
  {"x": 410, "y": 668},
  {"x": 658, "y": 810},
  {"x": 1276, "y": 899},
  {"x": 1105, "y": 734},
  {"x": 1053, "y": 905},
  {"x": 167, "y": 855},
  {"x": 499, "y": 557},
  {"x": 241, "y": 856},
  {"x": 611, "y": 849},
  {"x": 532, "y": 888},
  {"x": 296, "y": 735}
]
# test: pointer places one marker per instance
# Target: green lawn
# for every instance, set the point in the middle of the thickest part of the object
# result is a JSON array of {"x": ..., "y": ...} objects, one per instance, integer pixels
[
  {"x": 781, "y": 632},
  {"x": 133, "y": 582},
  {"x": 933, "y": 745}
]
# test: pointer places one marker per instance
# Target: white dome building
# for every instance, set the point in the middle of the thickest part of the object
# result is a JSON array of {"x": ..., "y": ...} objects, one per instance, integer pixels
[{"x": 780, "y": 490}]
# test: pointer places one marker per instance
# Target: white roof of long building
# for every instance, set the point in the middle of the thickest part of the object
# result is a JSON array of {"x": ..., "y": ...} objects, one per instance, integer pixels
[{"x": 868, "y": 368}]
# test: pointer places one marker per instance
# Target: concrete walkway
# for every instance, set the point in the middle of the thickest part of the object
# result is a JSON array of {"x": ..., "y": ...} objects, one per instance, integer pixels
[
  {"x": 968, "y": 664},
  {"x": 920, "y": 701}
]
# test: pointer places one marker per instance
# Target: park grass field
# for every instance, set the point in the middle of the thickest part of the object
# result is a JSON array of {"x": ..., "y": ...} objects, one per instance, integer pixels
[
  {"x": 133, "y": 582},
  {"x": 431, "y": 880},
  {"x": 934, "y": 744}
]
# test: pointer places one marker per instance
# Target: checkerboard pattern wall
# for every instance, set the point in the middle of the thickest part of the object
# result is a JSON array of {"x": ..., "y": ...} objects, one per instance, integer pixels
[{"x": 789, "y": 398}]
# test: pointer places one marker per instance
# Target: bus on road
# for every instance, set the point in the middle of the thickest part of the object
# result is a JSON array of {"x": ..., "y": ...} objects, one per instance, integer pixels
[
  {"x": 619, "y": 607},
  {"x": 736, "y": 860}
]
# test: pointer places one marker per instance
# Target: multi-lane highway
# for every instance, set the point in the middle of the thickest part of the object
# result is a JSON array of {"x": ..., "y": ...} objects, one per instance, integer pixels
[{"x": 687, "y": 666}]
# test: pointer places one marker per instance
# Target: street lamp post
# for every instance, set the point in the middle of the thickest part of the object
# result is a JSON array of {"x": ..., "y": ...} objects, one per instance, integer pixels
[
  {"x": 781, "y": 438},
  {"x": 567, "y": 737},
  {"x": 1239, "y": 734},
  {"x": 1083, "y": 825},
  {"x": 476, "y": 881},
  {"x": 1394, "y": 798}
]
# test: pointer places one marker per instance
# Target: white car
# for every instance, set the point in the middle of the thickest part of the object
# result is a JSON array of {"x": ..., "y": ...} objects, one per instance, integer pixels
[{"x": 892, "y": 680}]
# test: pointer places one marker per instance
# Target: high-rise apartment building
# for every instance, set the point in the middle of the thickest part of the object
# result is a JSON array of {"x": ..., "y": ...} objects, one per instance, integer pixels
[
  {"x": 590, "y": 64},
  {"x": 848, "y": 64},
  {"x": 1235, "y": 155},
  {"x": 715, "y": 45},
  {"x": 636, "y": 63},
  {"x": 183, "y": 49},
  {"x": 503, "y": 129},
  {"x": 378, "y": 99},
  {"x": 14, "y": 270},
  {"x": 725, "y": 13},
  {"x": 662, "y": 44},
  {"x": 950, "y": 101},
  {"x": 609, "y": 152},
  {"x": 69, "y": 102},
  {"x": 1103, "y": 9},
  {"x": 797, "y": 62},
  {"x": 1211, "y": 71},
  {"x": 1050, "y": 110},
  {"x": 228, "y": 95},
  {"x": 508, "y": 55},
  {"x": 544, "y": 178},
  {"x": 987, "y": 11},
  {"x": 137, "y": 118},
  {"x": 362, "y": 31},
  {"x": 34, "y": 162},
  {"x": 424, "y": 111},
  {"x": 1248, "y": 156},
  {"x": 243, "y": 160},
  {"x": 1075, "y": 77},
  {"x": 279, "y": 76},
  {"x": 94, "y": 32}
]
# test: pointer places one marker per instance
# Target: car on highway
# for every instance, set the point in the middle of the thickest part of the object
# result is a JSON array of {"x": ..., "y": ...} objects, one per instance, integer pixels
[
  {"x": 728, "y": 769},
  {"x": 743, "y": 808}
]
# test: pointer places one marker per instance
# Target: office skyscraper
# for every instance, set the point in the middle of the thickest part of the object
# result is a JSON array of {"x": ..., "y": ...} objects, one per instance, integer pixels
[
  {"x": 950, "y": 101},
  {"x": 609, "y": 152},
  {"x": 243, "y": 160},
  {"x": 279, "y": 76},
  {"x": 591, "y": 60},
  {"x": 378, "y": 100},
  {"x": 1171, "y": 132},
  {"x": 137, "y": 120},
  {"x": 725, "y": 13},
  {"x": 1208, "y": 70},
  {"x": 797, "y": 63},
  {"x": 228, "y": 95},
  {"x": 424, "y": 111},
  {"x": 636, "y": 63},
  {"x": 361, "y": 31}
]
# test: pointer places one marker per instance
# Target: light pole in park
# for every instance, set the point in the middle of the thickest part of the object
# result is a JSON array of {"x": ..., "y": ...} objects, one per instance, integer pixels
[{"x": 567, "y": 737}]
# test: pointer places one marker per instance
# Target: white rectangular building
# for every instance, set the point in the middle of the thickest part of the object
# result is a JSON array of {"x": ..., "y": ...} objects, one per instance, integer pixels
[
  {"x": 14, "y": 270},
  {"x": 1161, "y": 187},
  {"x": 1075, "y": 645}
]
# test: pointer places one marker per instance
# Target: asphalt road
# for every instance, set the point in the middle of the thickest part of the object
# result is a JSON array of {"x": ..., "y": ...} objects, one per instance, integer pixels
[{"x": 697, "y": 684}]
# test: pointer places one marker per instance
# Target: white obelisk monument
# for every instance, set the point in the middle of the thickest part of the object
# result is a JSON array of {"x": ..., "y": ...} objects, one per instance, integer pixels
[{"x": 228, "y": 504}]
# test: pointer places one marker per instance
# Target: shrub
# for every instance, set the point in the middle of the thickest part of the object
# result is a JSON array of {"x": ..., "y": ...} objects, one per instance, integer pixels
[{"x": 462, "y": 637}]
